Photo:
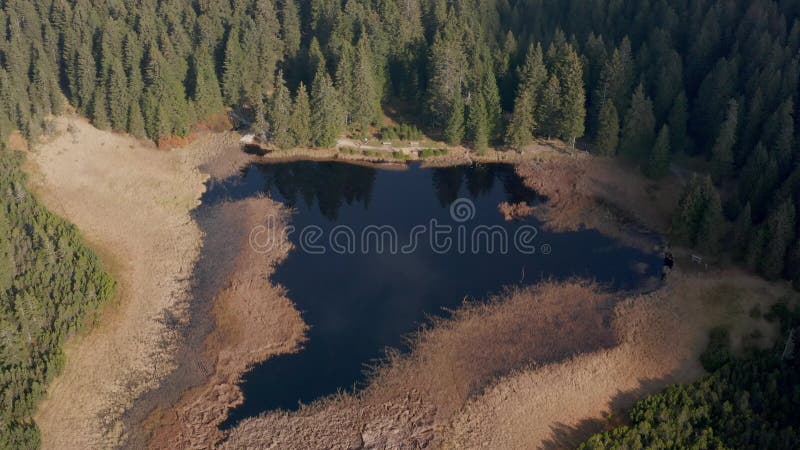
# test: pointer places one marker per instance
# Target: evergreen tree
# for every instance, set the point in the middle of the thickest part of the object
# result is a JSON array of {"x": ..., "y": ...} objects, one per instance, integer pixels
[
  {"x": 532, "y": 75},
  {"x": 99, "y": 111},
  {"x": 204, "y": 85},
  {"x": 572, "y": 114},
  {"x": 478, "y": 125},
  {"x": 549, "y": 115},
  {"x": 678, "y": 117},
  {"x": 742, "y": 229},
  {"x": 658, "y": 164},
  {"x": 454, "y": 132},
  {"x": 327, "y": 117},
  {"x": 280, "y": 113},
  {"x": 722, "y": 152},
  {"x": 301, "y": 118},
  {"x": 520, "y": 128},
  {"x": 711, "y": 227},
  {"x": 607, "y": 138},
  {"x": 117, "y": 96},
  {"x": 780, "y": 229},
  {"x": 290, "y": 28},
  {"x": 638, "y": 129},
  {"x": 366, "y": 90},
  {"x": 136, "y": 121},
  {"x": 232, "y": 83}
]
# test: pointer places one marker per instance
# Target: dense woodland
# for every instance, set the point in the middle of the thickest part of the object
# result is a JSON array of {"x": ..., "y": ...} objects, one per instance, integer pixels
[
  {"x": 50, "y": 283},
  {"x": 746, "y": 403},
  {"x": 645, "y": 80}
]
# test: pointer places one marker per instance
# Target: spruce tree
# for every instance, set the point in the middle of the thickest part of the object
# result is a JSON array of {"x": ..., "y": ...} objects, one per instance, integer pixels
[
  {"x": 327, "y": 117},
  {"x": 780, "y": 232},
  {"x": 520, "y": 128},
  {"x": 117, "y": 96},
  {"x": 741, "y": 231},
  {"x": 280, "y": 113},
  {"x": 658, "y": 164},
  {"x": 478, "y": 124},
  {"x": 232, "y": 83},
  {"x": 301, "y": 118},
  {"x": 572, "y": 114},
  {"x": 638, "y": 128},
  {"x": 290, "y": 28},
  {"x": 711, "y": 226},
  {"x": 454, "y": 131},
  {"x": 677, "y": 120},
  {"x": 204, "y": 85},
  {"x": 99, "y": 111},
  {"x": 366, "y": 90},
  {"x": 549, "y": 114},
  {"x": 722, "y": 152},
  {"x": 607, "y": 138},
  {"x": 136, "y": 121}
]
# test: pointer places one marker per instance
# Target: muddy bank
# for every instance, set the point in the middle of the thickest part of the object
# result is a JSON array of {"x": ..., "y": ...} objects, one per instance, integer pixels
[{"x": 238, "y": 319}]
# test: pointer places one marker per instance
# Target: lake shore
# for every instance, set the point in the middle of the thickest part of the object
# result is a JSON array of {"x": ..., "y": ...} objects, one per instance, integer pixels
[{"x": 134, "y": 204}]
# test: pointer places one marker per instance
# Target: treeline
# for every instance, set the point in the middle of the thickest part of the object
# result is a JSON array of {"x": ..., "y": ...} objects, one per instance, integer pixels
[
  {"x": 746, "y": 403},
  {"x": 645, "y": 80},
  {"x": 49, "y": 284}
]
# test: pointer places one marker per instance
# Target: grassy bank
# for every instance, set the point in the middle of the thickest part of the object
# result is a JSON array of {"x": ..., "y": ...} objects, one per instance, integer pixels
[{"x": 50, "y": 286}]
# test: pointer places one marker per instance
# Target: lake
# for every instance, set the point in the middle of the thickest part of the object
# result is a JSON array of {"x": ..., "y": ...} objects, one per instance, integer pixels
[{"x": 377, "y": 251}]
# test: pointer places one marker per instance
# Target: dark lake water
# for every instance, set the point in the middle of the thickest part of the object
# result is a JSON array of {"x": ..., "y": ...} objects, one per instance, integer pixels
[{"x": 360, "y": 302}]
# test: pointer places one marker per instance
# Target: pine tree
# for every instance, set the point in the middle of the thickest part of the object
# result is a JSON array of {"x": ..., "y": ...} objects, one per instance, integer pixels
[
  {"x": 742, "y": 229},
  {"x": 232, "y": 85},
  {"x": 711, "y": 226},
  {"x": 117, "y": 96},
  {"x": 204, "y": 85},
  {"x": 722, "y": 152},
  {"x": 780, "y": 230},
  {"x": 569, "y": 71},
  {"x": 549, "y": 115},
  {"x": 678, "y": 118},
  {"x": 454, "y": 132},
  {"x": 136, "y": 121},
  {"x": 607, "y": 138},
  {"x": 327, "y": 118},
  {"x": 316, "y": 59},
  {"x": 280, "y": 113},
  {"x": 532, "y": 75},
  {"x": 301, "y": 118},
  {"x": 520, "y": 129},
  {"x": 658, "y": 164},
  {"x": 366, "y": 90},
  {"x": 477, "y": 124},
  {"x": 290, "y": 28},
  {"x": 99, "y": 111},
  {"x": 638, "y": 129}
]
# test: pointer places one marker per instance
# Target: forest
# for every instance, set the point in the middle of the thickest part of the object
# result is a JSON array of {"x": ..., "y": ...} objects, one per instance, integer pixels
[
  {"x": 645, "y": 81},
  {"x": 745, "y": 403},
  {"x": 50, "y": 286}
]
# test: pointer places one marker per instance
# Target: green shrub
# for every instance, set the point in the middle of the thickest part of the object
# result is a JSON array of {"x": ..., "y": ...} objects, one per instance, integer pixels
[{"x": 718, "y": 351}]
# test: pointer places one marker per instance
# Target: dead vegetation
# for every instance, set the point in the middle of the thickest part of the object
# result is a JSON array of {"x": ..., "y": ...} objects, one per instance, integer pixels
[
  {"x": 132, "y": 203},
  {"x": 535, "y": 368}
]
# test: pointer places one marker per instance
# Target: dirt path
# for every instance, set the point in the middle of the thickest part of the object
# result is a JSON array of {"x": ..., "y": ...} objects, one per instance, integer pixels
[{"x": 132, "y": 203}]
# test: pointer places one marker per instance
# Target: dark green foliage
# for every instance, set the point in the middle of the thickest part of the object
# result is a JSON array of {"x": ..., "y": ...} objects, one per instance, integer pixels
[
  {"x": 722, "y": 152},
  {"x": 280, "y": 116},
  {"x": 658, "y": 162},
  {"x": 698, "y": 222},
  {"x": 743, "y": 404},
  {"x": 36, "y": 317},
  {"x": 638, "y": 130},
  {"x": 607, "y": 138},
  {"x": 300, "y": 123},
  {"x": 327, "y": 118}
]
